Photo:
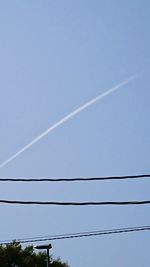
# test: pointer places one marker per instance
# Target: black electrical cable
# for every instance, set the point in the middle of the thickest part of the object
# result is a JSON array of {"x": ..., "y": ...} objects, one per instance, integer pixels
[
  {"x": 75, "y": 179},
  {"x": 80, "y": 235},
  {"x": 96, "y": 203}
]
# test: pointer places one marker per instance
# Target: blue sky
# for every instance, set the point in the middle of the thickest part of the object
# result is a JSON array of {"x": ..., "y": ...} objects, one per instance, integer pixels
[{"x": 55, "y": 56}]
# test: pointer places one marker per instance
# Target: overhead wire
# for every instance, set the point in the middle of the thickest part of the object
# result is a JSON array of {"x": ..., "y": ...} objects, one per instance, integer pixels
[
  {"x": 74, "y": 179},
  {"x": 60, "y": 203},
  {"x": 79, "y": 235}
]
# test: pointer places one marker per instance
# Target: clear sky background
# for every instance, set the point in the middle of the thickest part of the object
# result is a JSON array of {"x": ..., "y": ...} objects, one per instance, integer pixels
[{"x": 54, "y": 57}]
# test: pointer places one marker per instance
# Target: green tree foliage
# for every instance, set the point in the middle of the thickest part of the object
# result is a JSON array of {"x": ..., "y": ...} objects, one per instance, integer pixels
[{"x": 13, "y": 255}]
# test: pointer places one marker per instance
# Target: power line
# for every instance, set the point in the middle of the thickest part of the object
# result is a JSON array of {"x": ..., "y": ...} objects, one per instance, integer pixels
[
  {"x": 96, "y": 203},
  {"x": 75, "y": 179},
  {"x": 80, "y": 235}
]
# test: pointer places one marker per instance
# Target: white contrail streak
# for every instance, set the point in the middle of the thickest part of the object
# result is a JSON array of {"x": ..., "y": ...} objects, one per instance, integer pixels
[{"x": 66, "y": 118}]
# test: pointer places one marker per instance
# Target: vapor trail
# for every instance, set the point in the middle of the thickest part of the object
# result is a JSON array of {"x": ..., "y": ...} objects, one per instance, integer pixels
[{"x": 66, "y": 118}]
